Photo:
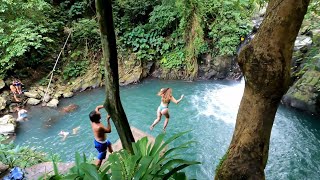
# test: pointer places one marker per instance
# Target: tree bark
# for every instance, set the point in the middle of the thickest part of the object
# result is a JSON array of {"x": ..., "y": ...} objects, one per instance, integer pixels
[
  {"x": 112, "y": 103},
  {"x": 265, "y": 62}
]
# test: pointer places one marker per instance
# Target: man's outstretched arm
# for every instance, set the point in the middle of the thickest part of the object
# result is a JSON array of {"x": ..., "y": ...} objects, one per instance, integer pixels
[{"x": 98, "y": 108}]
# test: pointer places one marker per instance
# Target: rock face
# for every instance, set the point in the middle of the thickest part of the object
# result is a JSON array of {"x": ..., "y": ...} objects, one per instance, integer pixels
[
  {"x": 305, "y": 93},
  {"x": 131, "y": 71},
  {"x": 221, "y": 67},
  {"x": 7, "y": 125}
]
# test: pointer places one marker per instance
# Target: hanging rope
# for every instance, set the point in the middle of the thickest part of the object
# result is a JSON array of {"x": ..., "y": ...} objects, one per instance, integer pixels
[{"x": 54, "y": 67}]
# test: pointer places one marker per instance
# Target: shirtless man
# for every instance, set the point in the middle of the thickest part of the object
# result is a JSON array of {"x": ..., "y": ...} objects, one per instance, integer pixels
[
  {"x": 101, "y": 142},
  {"x": 14, "y": 91}
]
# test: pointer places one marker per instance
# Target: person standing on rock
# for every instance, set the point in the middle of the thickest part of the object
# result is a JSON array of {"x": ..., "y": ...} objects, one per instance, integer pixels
[
  {"x": 163, "y": 109},
  {"x": 102, "y": 144}
]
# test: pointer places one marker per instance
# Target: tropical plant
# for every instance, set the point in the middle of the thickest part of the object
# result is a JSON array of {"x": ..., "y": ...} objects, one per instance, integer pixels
[
  {"x": 21, "y": 156},
  {"x": 149, "y": 161}
]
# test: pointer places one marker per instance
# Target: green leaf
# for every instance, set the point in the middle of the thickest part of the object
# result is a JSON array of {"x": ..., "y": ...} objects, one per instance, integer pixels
[
  {"x": 70, "y": 177},
  {"x": 169, "y": 164},
  {"x": 90, "y": 171}
]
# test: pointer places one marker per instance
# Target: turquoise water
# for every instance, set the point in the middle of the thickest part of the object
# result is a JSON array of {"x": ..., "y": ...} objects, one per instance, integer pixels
[{"x": 209, "y": 110}]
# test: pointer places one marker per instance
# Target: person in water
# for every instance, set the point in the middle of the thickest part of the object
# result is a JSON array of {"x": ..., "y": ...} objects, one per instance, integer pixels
[
  {"x": 64, "y": 134},
  {"x": 101, "y": 143},
  {"x": 166, "y": 98},
  {"x": 22, "y": 114}
]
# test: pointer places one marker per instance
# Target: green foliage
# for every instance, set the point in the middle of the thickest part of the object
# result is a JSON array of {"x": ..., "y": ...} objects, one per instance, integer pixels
[
  {"x": 147, "y": 45},
  {"x": 174, "y": 59},
  {"x": 76, "y": 67},
  {"x": 231, "y": 22},
  {"x": 86, "y": 31},
  {"x": 26, "y": 29},
  {"x": 134, "y": 11},
  {"x": 163, "y": 17},
  {"x": 148, "y": 162},
  {"x": 180, "y": 31},
  {"x": 21, "y": 156}
]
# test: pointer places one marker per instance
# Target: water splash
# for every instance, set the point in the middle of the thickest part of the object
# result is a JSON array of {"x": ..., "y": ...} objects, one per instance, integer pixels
[{"x": 222, "y": 102}]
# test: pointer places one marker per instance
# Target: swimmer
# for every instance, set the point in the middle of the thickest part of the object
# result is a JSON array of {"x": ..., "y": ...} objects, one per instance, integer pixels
[
  {"x": 64, "y": 134},
  {"x": 75, "y": 130},
  {"x": 22, "y": 114}
]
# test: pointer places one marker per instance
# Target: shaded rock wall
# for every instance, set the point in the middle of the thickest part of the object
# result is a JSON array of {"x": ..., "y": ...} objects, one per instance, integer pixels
[{"x": 305, "y": 93}]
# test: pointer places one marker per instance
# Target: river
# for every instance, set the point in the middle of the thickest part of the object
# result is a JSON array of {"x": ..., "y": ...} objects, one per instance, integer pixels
[{"x": 209, "y": 109}]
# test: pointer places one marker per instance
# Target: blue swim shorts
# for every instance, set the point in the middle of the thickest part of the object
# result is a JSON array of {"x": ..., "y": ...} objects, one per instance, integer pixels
[{"x": 102, "y": 148}]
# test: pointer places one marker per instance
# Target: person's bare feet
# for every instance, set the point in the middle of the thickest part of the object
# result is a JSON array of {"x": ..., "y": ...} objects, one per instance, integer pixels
[{"x": 151, "y": 128}]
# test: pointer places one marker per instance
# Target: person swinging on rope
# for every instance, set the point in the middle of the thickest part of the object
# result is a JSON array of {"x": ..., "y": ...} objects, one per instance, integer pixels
[{"x": 166, "y": 98}]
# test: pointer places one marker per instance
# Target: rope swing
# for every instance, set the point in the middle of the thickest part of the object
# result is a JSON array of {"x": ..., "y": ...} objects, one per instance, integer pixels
[{"x": 54, "y": 67}]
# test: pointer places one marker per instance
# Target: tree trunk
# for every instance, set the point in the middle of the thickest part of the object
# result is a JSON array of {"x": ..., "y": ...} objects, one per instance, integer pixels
[
  {"x": 265, "y": 62},
  {"x": 112, "y": 103}
]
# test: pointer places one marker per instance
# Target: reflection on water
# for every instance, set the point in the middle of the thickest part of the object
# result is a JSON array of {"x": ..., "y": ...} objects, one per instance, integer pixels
[{"x": 209, "y": 109}]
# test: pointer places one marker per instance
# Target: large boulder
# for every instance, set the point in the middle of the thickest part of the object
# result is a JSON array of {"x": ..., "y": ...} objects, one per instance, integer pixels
[
  {"x": 3, "y": 103},
  {"x": 302, "y": 41},
  {"x": 2, "y": 84},
  {"x": 305, "y": 93},
  {"x": 46, "y": 98},
  {"x": 33, "y": 101},
  {"x": 7, "y": 119},
  {"x": 32, "y": 94},
  {"x": 7, "y": 125},
  {"x": 53, "y": 103},
  {"x": 58, "y": 94},
  {"x": 67, "y": 94},
  {"x": 6, "y": 129}
]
